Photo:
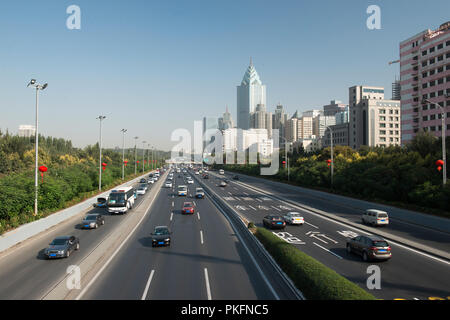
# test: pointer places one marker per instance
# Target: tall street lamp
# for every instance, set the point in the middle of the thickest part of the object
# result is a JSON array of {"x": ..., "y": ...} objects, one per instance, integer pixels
[
  {"x": 143, "y": 155},
  {"x": 38, "y": 87},
  {"x": 123, "y": 152},
  {"x": 135, "y": 155},
  {"x": 148, "y": 154},
  {"x": 285, "y": 154},
  {"x": 101, "y": 118},
  {"x": 444, "y": 152},
  {"x": 332, "y": 155},
  {"x": 153, "y": 165}
]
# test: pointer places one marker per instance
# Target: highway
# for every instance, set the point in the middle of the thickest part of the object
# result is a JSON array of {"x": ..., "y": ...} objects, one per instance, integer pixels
[
  {"x": 205, "y": 260},
  {"x": 408, "y": 275}
]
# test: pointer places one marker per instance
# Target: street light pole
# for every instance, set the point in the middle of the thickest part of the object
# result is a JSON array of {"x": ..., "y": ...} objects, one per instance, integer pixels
[
  {"x": 36, "y": 181},
  {"x": 443, "y": 131},
  {"x": 123, "y": 153},
  {"x": 135, "y": 155},
  {"x": 285, "y": 155},
  {"x": 143, "y": 155},
  {"x": 100, "y": 147},
  {"x": 148, "y": 154},
  {"x": 332, "y": 155},
  {"x": 153, "y": 165}
]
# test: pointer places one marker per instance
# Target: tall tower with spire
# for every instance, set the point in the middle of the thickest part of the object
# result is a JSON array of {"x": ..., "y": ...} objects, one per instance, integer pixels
[{"x": 250, "y": 93}]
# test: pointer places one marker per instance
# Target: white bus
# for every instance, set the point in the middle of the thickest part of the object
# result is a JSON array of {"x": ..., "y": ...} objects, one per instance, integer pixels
[{"x": 121, "y": 200}]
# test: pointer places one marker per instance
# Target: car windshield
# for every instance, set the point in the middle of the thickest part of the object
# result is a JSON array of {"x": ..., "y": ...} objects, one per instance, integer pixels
[
  {"x": 59, "y": 242},
  {"x": 116, "y": 198},
  {"x": 187, "y": 205},
  {"x": 199, "y": 190},
  {"x": 182, "y": 188},
  {"x": 277, "y": 218},
  {"x": 295, "y": 215},
  {"x": 90, "y": 218},
  {"x": 382, "y": 215},
  {"x": 161, "y": 231},
  {"x": 380, "y": 244}
]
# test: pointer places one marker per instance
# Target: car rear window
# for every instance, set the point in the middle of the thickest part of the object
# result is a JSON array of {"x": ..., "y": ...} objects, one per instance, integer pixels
[
  {"x": 380, "y": 244},
  {"x": 187, "y": 205},
  {"x": 382, "y": 215}
]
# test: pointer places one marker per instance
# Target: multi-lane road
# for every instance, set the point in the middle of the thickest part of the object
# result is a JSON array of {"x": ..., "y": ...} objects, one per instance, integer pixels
[
  {"x": 410, "y": 274},
  {"x": 207, "y": 259}
]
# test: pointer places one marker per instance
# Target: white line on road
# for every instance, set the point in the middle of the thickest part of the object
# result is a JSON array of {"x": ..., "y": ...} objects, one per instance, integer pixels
[
  {"x": 198, "y": 215},
  {"x": 230, "y": 193},
  {"x": 252, "y": 207},
  {"x": 144, "y": 295},
  {"x": 246, "y": 193},
  {"x": 195, "y": 204},
  {"x": 173, "y": 204},
  {"x": 258, "y": 200},
  {"x": 171, "y": 216},
  {"x": 201, "y": 236},
  {"x": 208, "y": 289},
  {"x": 334, "y": 254},
  {"x": 312, "y": 225},
  {"x": 275, "y": 208}
]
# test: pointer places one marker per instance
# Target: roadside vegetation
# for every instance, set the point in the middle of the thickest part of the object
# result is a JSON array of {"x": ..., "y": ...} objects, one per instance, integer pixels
[
  {"x": 315, "y": 280},
  {"x": 72, "y": 176},
  {"x": 401, "y": 176}
]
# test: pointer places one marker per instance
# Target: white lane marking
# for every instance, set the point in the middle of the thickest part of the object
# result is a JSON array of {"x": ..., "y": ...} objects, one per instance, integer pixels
[
  {"x": 252, "y": 207},
  {"x": 334, "y": 254},
  {"x": 198, "y": 215},
  {"x": 115, "y": 252},
  {"x": 246, "y": 193},
  {"x": 171, "y": 216},
  {"x": 343, "y": 224},
  {"x": 415, "y": 299},
  {"x": 208, "y": 289},
  {"x": 201, "y": 236},
  {"x": 311, "y": 225},
  {"x": 230, "y": 193},
  {"x": 144, "y": 295},
  {"x": 258, "y": 200},
  {"x": 173, "y": 203},
  {"x": 195, "y": 204},
  {"x": 275, "y": 208}
]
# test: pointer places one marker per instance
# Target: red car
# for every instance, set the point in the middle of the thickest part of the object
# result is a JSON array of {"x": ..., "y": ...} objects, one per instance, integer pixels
[{"x": 188, "y": 207}]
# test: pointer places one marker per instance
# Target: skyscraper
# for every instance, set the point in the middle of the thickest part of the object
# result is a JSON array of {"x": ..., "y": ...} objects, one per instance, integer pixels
[
  {"x": 250, "y": 93},
  {"x": 226, "y": 121}
]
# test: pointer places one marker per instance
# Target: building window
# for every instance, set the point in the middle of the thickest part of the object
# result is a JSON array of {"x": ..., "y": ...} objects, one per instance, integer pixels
[
  {"x": 425, "y": 118},
  {"x": 382, "y": 125},
  {"x": 382, "y": 118},
  {"x": 433, "y": 117},
  {"x": 424, "y": 86},
  {"x": 432, "y": 72},
  {"x": 424, "y": 53},
  {"x": 441, "y": 81},
  {"x": 391, "y": 125},
  {"x": 432, "y": 128},
  {"x": 424, "y": 63},
  {"x": 432, "y": 61},
  {"x": 440, "y": 46},
  {"x": 440, "y": 58},
  {"x": 431, "y": 49},
  {"x": 382, "y": 132},
  {"x": 425, "y": 107},
  {"x": 424, "y": 75},
  {"x": 440, "y": 69},
  {"x": 396, "y": 111},
  {"x": 391, "y": 132},
  {"x": 447, "y": 43}
]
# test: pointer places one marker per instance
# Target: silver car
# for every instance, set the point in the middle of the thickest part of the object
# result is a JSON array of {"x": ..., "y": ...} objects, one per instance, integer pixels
[
  {"x": 92, "y": 221},
  {"x": 62, "y": 247}
]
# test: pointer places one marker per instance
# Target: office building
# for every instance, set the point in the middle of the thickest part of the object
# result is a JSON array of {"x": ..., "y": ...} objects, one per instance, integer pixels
[
  {"x": 26, "y": 130},
  {"x": 425, "y": 74}
]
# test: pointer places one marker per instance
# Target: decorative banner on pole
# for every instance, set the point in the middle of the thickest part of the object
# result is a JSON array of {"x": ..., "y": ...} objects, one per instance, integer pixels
[{"x": 42, "y": 169}]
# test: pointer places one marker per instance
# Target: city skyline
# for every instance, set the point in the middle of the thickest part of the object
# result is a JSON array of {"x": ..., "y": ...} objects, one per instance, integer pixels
[{"x": 123, "y": 63}]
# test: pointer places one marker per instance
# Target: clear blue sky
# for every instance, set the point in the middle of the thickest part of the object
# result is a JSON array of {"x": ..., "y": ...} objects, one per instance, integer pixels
[{"x": 154, "y": 66}]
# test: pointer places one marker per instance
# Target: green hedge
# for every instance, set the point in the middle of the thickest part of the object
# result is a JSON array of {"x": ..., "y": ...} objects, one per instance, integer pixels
[{"x": 315, "y": 280}]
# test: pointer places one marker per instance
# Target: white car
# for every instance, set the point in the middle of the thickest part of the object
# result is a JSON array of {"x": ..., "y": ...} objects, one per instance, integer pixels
[
  {"x": 196, "y": 172},
  {"x": 140, "y": 191},
  {"x": 168, "y": 184},
  {"x": 155, "y": 178},
  {"x": 151, "y": 181},
  {"x": 221, "y": 171},
  {"x": 190, "y": 181},
  {"x": 294, "y": 218}
]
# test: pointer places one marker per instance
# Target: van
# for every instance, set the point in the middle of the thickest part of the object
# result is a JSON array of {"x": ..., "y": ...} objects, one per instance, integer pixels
[{"x": 375, "y": 217}]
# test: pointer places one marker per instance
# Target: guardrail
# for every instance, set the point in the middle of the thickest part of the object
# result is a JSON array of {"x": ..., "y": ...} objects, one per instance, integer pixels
[{"x": 281, "y": 285}]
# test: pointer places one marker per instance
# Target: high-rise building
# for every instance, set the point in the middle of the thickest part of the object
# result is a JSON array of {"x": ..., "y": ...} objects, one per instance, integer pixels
[
  {"x": 261, "y": 119},
  {"x": 291, "y": 133},
  {"x": 226, "y": 121},
  {"x": 250, "y": 93},
  {"x": 210, "y": 126},
  {"x": 334, "y": 107},
  {"x": 374, "y": 121},
  {"x": 425, "y": 74},
  {"x": 26, "y": 130},
  {"x": 320, "y": 122},
  {"x": 396, "y": 88},
  {"x": 342, "y": 116}
]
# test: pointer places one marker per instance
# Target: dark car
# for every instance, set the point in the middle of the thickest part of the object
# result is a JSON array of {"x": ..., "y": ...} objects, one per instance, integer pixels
[
  {"x": 274, "y": 222},
  {"x": 62, "y": 247},
  {"x": 161, "y": 236},
  {"x": 370, "y": 247},
  {"x": 143, "y": 181},
  {"x": 235, "y": 177},
  {"x": 223, "y": 183},
  {"x": 206, "y": 176},
  {"x": 101, "y": 203},
  {"x": 92, "y": 221}
]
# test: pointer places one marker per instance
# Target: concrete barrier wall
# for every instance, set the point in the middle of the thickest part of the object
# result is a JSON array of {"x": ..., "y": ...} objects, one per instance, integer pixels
[{"x": 26, "y": 231}]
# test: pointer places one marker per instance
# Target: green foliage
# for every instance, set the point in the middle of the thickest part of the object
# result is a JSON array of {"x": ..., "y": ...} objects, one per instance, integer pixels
[{"x": 315, "y": 280}]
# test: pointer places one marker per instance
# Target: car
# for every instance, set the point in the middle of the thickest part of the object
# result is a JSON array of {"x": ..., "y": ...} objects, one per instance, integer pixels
[
  {"x": 92, "y": 221},
  {"x": 206, "y": 176},
  {"x": 161, "y": 236},
  {"x": 155, "y": 178},
  {"x": 101, "y": 203},
  {"x": 199, "y": 193},
  {"x": 62, "y": 247},
  {"x": 151, "y": 181},
  {"x": 182, "y": 190},
  {"x": 142, "y": 181},
  {"x": 274, "y": 222},
  {"x": 144, "y": 185},
  {"x": 221, "y": 171},
  {"x": 235, "y": 177},
  {"x": 294, "y": 218},
  {"x": 140, "y": 191},
  {"x": 168, "y": 184},
  {"x": 375, "y": 217},
  {"x": 190, "y": 181},
  {"x": 369, "y": 247},
  {"x": 223, "y": 183},
  {"x": 188, "y": 207},
  {"x": 197, "y": 173},
  {"x": 150, "y": 175}
]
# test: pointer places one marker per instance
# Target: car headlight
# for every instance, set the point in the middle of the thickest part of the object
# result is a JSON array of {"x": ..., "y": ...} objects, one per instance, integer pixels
[
  {"x": 168, "y": 239},
  {"x": 61, "y": 251},
  {"x": 92, "y": 224}
]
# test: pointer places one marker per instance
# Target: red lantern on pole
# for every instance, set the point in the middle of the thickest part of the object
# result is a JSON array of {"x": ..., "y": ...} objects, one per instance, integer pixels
[
  {"x": 42, "y": 169},
  {"x": 284, "y": 164},
  {"x": 329, "y": 162},
  {"x": 104, "y": 166},
  {"x": 439, "y": 164},
  {"x": 137, "y": 162}
]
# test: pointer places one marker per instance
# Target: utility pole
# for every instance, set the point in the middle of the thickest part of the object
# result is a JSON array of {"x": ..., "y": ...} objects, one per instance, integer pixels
[
  {"x": 135, "y": 155},
  {"x": 123, "y": 153}
]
